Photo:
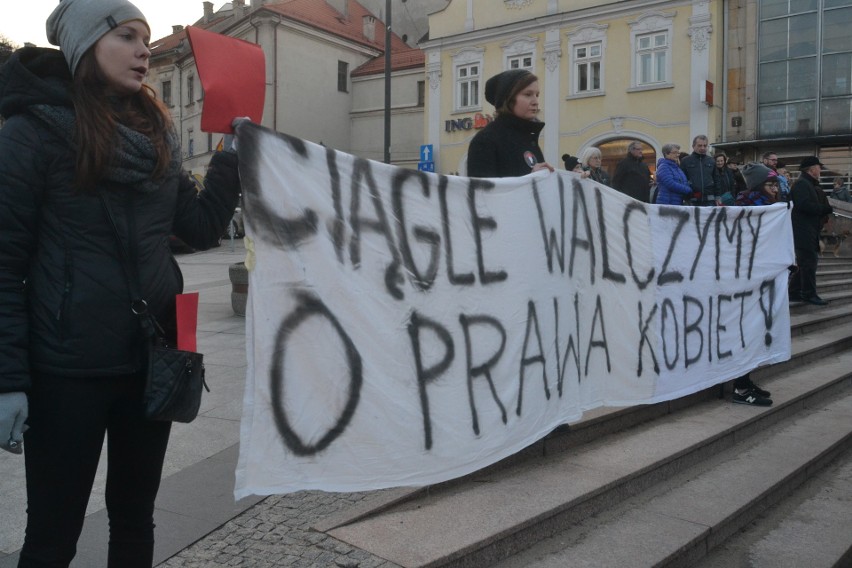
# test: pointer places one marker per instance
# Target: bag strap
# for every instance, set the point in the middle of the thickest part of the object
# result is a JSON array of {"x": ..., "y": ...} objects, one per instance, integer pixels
[{"x": 138, "y": 305}]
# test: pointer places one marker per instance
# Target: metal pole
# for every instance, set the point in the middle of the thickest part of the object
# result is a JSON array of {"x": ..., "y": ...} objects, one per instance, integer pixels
[{"x": 387, "y": 79}]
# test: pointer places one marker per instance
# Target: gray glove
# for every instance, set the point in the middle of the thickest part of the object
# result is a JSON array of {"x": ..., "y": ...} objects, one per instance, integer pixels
[{"x": 13, "y": 413}]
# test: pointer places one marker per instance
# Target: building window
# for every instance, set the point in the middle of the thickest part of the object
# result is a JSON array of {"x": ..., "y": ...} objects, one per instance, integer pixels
[
  {"x": 467, "y": 76},
  {"x": 190, "y": 144},
  {"x": 166, "y": 93},
  {"x": 467, "y": 86},
  {"x": 421, "y": 93},
  {"x": 520, "y": 62},
  {"x": 652, "y": 54},
  {"x": 587, "y": 68},
  {"x": 342, "y": 76},
  {"x": 587, "y": 46},
  {"x": 804, "y": 68},
  {"x": 651, "y": 39},
  {"x": 520, "y": 53},
  {"x": 190, "y": 89}
]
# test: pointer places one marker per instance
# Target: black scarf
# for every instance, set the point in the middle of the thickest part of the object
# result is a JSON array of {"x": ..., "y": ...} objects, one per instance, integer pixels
[{"x": 135, "y": 158}]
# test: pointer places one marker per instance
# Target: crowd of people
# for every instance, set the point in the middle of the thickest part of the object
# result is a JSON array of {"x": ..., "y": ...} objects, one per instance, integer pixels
[
  {"x": 509, "y": 147},
  {"x": 83, "y": 130}
]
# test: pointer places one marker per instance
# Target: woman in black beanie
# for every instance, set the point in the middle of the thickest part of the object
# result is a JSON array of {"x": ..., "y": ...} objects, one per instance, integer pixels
[{"x": 508, "y": 146}]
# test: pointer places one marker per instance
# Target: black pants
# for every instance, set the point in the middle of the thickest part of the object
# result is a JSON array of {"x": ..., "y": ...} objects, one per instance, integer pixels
[
  {"x": 67, "y": 422},
  {"x": 743, "y": 382},
  {"x": 803, "y": 282}
]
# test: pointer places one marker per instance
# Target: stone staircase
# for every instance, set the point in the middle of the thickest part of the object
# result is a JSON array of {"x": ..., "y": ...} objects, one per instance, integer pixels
[{"x": 696, "y": 481}]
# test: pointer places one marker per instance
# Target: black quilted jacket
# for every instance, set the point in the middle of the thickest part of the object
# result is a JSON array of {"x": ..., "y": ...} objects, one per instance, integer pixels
[
  {"x": 64, "y": 298},
  {"x": 499, "y": 149}
]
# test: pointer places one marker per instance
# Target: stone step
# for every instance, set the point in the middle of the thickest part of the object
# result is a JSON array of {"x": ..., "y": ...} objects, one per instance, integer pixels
[
  {"x": 831, "y": 260},
  {"x": 833, "y": 284},
  {"x": 678, "y": 521},
  {"x": 838, "y": 297},
  {"x": 809, "y": 528},
  {"x": 835, "y": 272},
  {"x": 497, "y": 512},
  {"x": 803, "y": 322},
  {"x": 810, "y": 348}
]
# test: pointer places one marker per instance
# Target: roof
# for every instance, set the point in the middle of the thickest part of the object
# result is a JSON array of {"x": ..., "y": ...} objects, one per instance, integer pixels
[
  {"x": 321, "y": 15},
  {"x": 409, "y": 58},
  {"x": 174, "y": 40}
]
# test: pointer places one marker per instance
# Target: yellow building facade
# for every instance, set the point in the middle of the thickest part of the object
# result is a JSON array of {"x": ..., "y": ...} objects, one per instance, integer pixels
[{"x": 610, "y": 72}]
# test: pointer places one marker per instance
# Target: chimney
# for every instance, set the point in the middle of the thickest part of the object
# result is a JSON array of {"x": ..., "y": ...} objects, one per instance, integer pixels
[
  {"x": 176, "y": 29},
  {"x": 370, "y": 27},
  {"x": 239, "y": 8},
  {"x": 341, "y": 6},
  {"x": 208, "y": 11}
]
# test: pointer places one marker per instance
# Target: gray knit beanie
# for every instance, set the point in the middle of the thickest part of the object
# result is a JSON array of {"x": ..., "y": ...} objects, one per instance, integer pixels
[
  {"x": 77, "y": 25},
  {"x": 755, "y": 175}
]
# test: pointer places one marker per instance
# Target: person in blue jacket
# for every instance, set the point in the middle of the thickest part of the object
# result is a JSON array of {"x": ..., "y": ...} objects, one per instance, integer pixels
[{"x": 672, "y": 187}]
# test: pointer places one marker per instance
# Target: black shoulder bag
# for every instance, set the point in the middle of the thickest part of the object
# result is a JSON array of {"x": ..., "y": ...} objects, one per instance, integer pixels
[{"x": 173, "y": 378}]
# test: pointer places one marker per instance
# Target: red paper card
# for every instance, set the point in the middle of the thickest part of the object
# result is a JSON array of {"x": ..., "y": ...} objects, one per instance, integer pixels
[
  {"x": 233, "y": 75},
  {"x": 187, "y": 320}
]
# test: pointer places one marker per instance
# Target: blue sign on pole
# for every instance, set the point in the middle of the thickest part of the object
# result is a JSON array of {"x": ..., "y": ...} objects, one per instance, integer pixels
[
  {"x": 426, "y": 166},
  {"x": 426, "y": 154}
]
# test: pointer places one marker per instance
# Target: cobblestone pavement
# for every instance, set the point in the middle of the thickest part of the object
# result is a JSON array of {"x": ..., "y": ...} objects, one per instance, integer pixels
[{"x": 277, "y": 532}]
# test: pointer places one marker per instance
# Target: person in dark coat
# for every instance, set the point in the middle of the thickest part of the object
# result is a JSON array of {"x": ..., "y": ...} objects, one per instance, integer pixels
[
  {"x": 591, "y": 161},
  {"x": 810, "y": 213},
  {"x": 84, "y": 132},
  {"x": 508, "y": 146},
  {"x": 632, "y": 176},
  {"x": 762, "y": 189},
  {"x": 723, "y": 178},
  {"x": 739, "y": 181},
  {"x": 698, "y": 167}
]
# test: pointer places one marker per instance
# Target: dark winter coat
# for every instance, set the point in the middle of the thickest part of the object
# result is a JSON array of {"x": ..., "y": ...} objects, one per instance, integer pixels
[
  {"x": 599, "y": 175},
  {"x": 64, "y": 298},
  {"x": 632, "y": 177},
  {"x": 810, "y": 208},
  {"x": 672, "y": 188},
  {"x": 699, "y": 173},
  {"x": 499, "y": 149},
  {"x": 724, "y": 181}
]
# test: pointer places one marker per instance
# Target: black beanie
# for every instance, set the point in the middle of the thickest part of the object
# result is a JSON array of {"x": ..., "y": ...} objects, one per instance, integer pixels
[
  {"x": 570, "y": 161},
  {"x": 498, "y": 87}
]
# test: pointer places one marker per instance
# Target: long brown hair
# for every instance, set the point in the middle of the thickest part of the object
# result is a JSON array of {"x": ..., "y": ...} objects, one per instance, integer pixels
[{"x": 98, "y": 117}]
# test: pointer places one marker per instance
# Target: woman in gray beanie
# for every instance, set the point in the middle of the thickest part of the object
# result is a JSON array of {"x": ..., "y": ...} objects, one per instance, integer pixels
[
  {"x": 88, "y": 158},
  {"x": 508, "y": 146}
]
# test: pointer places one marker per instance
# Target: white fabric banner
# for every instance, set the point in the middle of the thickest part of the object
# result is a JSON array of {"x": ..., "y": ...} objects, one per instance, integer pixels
[{"x": 405, "y": 328}]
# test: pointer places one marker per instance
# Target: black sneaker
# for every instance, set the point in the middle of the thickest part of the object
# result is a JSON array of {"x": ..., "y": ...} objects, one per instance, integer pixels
[
  {"x": 750, "y": 397},
  {"x": 816, "y": 301},
  {"x": 749, "y": 385}
]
